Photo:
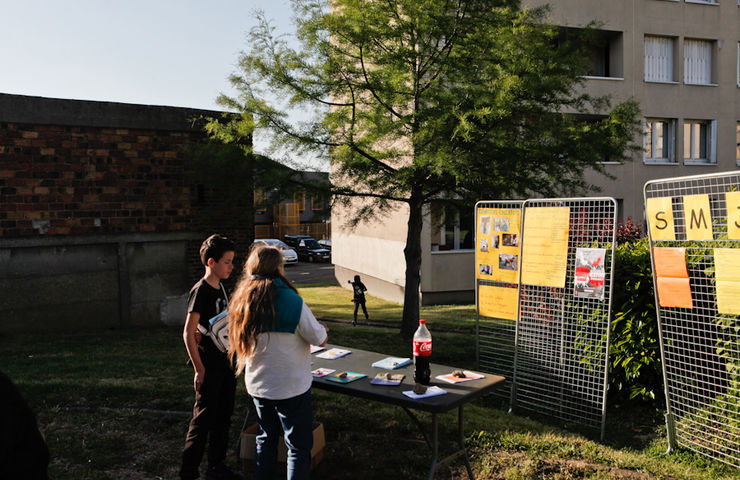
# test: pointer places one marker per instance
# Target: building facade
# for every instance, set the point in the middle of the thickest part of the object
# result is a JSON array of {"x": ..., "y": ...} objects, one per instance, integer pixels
[{"x": 679, "y": 59}]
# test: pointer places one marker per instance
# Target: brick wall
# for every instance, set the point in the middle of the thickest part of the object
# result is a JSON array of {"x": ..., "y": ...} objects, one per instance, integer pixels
[{"x": 62, "y": 180}]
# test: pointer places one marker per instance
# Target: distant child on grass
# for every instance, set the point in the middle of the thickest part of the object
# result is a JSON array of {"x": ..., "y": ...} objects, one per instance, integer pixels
[
  {"x": 359, "y": 289},
  {"x": 214, "y": 381}
]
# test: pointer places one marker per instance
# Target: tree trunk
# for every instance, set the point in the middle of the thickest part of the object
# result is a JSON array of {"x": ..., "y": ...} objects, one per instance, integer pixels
[{"x": 412, "y": 254}]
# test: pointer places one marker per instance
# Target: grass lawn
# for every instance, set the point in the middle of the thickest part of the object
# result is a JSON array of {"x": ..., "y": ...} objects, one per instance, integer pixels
[{"x": 115, "y": 405}]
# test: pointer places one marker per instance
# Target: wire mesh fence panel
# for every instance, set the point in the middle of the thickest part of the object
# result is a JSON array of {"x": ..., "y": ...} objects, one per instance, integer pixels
[
  {"x": 562, "y": 332},
  {"x": 496, "y": 326},
  {"x": 694, "y": 222}
]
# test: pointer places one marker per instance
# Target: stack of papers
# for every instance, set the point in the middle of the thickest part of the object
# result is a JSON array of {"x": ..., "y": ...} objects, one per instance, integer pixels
[
  {"x": 431, "y": 392},
  {"x": 391, "y": 363},
  {"x": 388, "y": 379},
  {"x": 333, "y": 353},
  {"x": 346, "y": 377},
  {"x": 322, "y": 372},
  {"x": 315, "y": 349},
  {"x": 452, "y": 378}
]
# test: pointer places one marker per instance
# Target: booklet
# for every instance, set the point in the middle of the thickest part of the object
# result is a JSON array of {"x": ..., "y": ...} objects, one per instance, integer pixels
[
  {"x": 333, "y": 353},
  {"x": 459, "y": 376},
  {"x": 388, "y": 378},
  {"x": 315, "y": 349},
  {"x": 431, "y": 392},
  {"x": 322, "y": 372},
  {"x": 346, "y": 377},
  {"x": 391, "y": 363}
]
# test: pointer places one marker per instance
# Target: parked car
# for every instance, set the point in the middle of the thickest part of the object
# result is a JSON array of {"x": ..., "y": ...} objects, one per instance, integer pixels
[
  {"x": 326, "y": 243},
  {"x": 290, "y": 257},
  {"x": 308, "y": 248}
]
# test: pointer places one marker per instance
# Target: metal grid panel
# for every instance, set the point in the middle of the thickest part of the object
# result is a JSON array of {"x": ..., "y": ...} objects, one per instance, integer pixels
[
  {"x": 562, "y": 340},
  {"x": 495, "y": 336},
  {"x": 699, "y": 346}
]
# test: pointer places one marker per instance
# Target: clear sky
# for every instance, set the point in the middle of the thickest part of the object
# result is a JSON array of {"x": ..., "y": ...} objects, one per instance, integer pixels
[{"x": 154, "y": 52}]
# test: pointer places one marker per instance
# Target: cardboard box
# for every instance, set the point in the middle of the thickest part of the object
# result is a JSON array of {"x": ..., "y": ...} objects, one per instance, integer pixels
[{"x": 248, "y": 440}]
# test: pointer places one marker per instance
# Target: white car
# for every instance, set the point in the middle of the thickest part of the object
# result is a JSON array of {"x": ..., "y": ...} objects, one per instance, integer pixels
[{"x": 289, "y": 255}]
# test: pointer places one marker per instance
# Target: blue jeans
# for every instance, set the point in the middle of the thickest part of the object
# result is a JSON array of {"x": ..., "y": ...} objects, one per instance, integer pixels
[{"x": 295, "y": 416}]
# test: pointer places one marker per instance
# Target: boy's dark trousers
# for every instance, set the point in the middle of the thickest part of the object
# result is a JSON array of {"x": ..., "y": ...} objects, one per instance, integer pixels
[{"x": 211, "y": 415}]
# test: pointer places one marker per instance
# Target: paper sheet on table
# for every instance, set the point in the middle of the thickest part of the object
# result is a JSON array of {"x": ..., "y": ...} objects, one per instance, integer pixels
[
  {"x": 545, "y": 246},
  {"x": 431, "y": 392}
]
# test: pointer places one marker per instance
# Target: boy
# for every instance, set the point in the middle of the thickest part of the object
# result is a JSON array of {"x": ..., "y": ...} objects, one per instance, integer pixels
[{"x": 214, "y": 381}]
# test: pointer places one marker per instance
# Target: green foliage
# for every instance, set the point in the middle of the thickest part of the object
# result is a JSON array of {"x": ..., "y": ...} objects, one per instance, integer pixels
[
  {"x": 430, "y": 100},
  {"x": 635, "y": 365}
]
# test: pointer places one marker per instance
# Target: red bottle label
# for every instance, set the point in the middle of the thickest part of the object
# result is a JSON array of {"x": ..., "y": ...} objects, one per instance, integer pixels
[{"x": 422, "y": 349}]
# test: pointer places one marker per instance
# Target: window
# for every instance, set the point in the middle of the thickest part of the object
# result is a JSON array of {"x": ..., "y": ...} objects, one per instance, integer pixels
[
  {"x": 606, "y": 55},
  {"x": 300, "y": 199},
  {"x": 658, "y": 59},
  {"x": 317, "y": 202},
  {"x": 698, "y": 141},
  {"x": 451, "y": 227},
  {"x": 260, "y": 201},
  {"x": 659, "y": 142},
  {"x": 697, "y": 62}
]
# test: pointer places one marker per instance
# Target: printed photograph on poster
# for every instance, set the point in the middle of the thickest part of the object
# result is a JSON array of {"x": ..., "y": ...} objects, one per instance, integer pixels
[
  {"x": 485, "y": 269},
  {"x": 510, "y": 240},
  {"x": 501, "y": 224},
  {"x": 485, "y": 225},
  {"x": 494, "y": 241},
  {"x": 507, "y": 261},
  {"x": 483, "y": 244},
  {"x": 589, "y": 274}
]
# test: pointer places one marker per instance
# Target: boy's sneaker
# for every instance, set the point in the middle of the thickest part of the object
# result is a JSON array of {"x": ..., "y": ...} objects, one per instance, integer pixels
[{"x": 222, "y": 472}]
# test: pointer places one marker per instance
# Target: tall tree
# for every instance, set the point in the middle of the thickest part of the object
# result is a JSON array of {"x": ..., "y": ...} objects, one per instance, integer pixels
[{"x": 428, "y": 100}]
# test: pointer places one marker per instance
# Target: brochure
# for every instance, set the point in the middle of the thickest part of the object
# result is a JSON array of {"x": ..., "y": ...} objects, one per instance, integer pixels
[
  {"x": 388, "y": 378},
  {"x": 333, "y": 353},
  {"x": 315, "y": 349},
  {"x": 391, "y": 363},
  {"x": 322, "y": 372},
  {"x": 431, "y": 392},
  {"x": 459, "y": 376},
  {"x": 346, "y": 377}
]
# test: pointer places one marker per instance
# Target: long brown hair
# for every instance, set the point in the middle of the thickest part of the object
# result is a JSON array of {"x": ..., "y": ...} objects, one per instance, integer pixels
[{"x": 252, "y": 306}]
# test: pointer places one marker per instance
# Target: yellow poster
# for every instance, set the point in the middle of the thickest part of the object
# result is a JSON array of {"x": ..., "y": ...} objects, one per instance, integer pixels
[
  {"x": 727, "y": 276},
  {"x": 733, "y": 215},
  {"x": 545, "y": 246},
  {"x": 497, "y": 249},
  {"x": 497, "y": 302},
  {"x": 660, "y": 218},
  {"x": 698, "y": 217}
]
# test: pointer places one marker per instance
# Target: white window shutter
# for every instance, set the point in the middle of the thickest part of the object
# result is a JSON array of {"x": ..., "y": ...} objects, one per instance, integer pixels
[
  {"x": 697, "y": 55},
  {"x": 658, "y": 59}
]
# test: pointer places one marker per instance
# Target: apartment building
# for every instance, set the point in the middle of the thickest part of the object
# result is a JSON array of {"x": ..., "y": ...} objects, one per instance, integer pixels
[{"x": 679, "y": 59}]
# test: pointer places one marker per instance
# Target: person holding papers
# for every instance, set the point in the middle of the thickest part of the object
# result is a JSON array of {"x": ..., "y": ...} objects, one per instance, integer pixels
[{"x": 271, "y": 331}]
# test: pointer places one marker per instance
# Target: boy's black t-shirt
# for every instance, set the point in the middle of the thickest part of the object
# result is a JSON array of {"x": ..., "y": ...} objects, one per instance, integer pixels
[{"x": 208, "y": 302}]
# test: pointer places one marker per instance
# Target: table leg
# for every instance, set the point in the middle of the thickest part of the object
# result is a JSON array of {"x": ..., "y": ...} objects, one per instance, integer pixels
[
  {"x": 461, "y": 439},
  {"x": 433, "y": 443}
]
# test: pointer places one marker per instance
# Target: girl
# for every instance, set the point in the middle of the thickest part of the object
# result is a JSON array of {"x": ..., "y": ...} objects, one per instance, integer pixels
[{"x": 270, "y": 333}]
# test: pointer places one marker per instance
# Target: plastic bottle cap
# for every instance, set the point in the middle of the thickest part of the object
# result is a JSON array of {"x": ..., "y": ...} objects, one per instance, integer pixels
[{"x": 421, "y": 320}]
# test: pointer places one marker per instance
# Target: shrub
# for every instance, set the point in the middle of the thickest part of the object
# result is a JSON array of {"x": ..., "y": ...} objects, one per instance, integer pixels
[{"x": 634, "y": 353}]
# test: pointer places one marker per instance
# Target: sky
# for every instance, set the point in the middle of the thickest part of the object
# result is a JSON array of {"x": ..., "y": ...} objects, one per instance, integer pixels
[{"x": 153, "y": 52}]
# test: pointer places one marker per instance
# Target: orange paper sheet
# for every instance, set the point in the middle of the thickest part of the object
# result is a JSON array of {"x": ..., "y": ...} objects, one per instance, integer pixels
[{"x": 672, "y": 278}]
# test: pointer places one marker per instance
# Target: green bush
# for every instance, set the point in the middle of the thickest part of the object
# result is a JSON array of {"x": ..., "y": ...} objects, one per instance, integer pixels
[{"x": 635, "y": 365}]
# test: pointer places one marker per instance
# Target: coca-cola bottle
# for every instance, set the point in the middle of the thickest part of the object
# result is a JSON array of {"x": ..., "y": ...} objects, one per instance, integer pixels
[{"x": 422, "y": 353}]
